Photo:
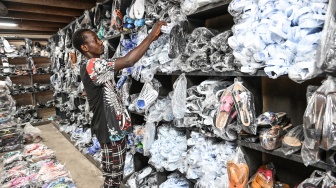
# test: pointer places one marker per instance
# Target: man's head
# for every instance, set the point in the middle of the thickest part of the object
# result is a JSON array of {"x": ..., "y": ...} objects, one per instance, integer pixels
[{"x": 88, "y": 43}]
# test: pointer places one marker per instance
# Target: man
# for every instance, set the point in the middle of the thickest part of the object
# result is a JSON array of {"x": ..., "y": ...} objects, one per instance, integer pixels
[{"x": 111, "y": 122}]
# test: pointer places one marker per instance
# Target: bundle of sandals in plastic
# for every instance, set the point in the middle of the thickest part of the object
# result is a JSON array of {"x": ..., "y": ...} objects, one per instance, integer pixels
[
  {"x": 175, "y": 180},
  {"x": 238, "y": 170},
  {"x": 175, "y": 143},
  {"x": 207, "y": 50},
  {"x": 326, "y": 53},
  {"x": 319, "y": 122},
  {"x": 146, "y": 177},
  {"x": 7, "y": 50},
  {"x": 319, "y": 179},
  {"x": 288, "y": 35},
  {"x": 206, "y": 160}
]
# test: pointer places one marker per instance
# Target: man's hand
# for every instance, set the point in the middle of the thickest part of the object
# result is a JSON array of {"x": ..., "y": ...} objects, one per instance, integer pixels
[{"x": 156, "y": 30}]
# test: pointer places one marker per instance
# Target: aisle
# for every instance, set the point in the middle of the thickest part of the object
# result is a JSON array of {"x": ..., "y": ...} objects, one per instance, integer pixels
[{"x": 83, "y": 172}]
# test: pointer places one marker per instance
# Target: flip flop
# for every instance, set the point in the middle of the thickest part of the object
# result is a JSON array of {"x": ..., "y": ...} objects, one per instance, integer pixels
[
  {"x": 225, "y": 108},
  {"x": 131, "y": 10},
  {"x": 238, "y": 174},
  {"x": 139, "y": 9}
]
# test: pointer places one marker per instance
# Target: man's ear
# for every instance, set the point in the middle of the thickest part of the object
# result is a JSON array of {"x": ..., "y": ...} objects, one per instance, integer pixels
[{"x": 84, "y": 48}]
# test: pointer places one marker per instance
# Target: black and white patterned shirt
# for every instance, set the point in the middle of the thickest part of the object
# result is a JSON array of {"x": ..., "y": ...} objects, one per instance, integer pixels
[{"x": 111, "y": 121}]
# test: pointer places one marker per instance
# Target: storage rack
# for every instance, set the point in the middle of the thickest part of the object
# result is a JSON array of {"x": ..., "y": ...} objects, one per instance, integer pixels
[
  {"x": 277, "y": 95},
  {"x": 34, "y": 97}
]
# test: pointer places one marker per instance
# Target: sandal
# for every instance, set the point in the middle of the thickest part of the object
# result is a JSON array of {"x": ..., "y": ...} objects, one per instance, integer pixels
[
  {"x": 271, "y": 139},
  {"x": 117, "y": 17},
  {"x": 238, "y": 174},
  {"x": 270, "y": 119},
  {"x": 225, "y": 109},
  {"x": 245, "y": 107}
]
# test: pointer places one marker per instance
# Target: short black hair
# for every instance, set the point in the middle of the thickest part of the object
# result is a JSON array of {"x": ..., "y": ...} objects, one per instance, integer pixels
[{"x": 78, "y": 39}]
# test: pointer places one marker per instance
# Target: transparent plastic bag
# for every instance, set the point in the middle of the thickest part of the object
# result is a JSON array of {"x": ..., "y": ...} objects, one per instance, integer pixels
[
  {"x": 179, "y": 96},
  {"x": 220, "y": 42},
  {"x": 329, "y": 125},
  {"x": 264, "y": 177},
  {"x": 244, "y": 105},
  {"x": 291, "y": 143},
  {"x": 149, "y": 136},
  {"x": 312, "y": 123},
  {"x": 32, "y": 131},
  {"x": 238, "y": 170},
  {"x": 315, "y": 179},
  {"x": 310, "y": 91},
  {"x": 326, "y": 53},
  {"x": 329, "y": 180}
]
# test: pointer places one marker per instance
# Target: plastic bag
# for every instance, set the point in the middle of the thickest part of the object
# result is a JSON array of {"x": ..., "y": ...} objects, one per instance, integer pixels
[
  {"x": 148, "y": 138},
  {"x": 220, "y": 42},
  {"x": 326, "y": 53},
  {"x": 329, "y": 126},
  {"x": 291, "y": 143},
  {"x": 310, "y": 92},
  {"x": 33, "y": 132},
  {"x": 129, "y": 164},
  {"x": 264, "y": 177},
  {"x": 312, "y": 123},
  {"x": 179, "y": 97},
  {"x": 244, "y": 104},
  {"x": 238, "y": 170},
  {"x": 315, "y": 179}
]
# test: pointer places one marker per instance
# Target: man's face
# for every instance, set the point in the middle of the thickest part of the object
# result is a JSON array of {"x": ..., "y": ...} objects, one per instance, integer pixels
[{"x": 92, "y": 44}]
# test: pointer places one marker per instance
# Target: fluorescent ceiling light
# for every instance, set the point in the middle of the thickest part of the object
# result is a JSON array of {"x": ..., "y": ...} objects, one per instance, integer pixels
[{"x": 8, "y": 24}]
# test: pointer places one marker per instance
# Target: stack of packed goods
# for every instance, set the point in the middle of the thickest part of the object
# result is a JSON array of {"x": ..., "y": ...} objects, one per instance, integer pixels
[
  {"x": 206, "y": 160},
  {"x": 28, "y": 49},
  {"x": 173, "y": 155},
  {"x": 279, "y": 36},
  {"x": 7, "y": 50},
  {"x": 10, "y": 132},
  {"x": 319, "y": 122},
  {"x": 35, "y": 166},
  {"x": 326, "y": 54}
]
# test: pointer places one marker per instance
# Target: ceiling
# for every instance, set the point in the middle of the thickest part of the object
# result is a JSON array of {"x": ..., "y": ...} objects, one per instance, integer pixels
[{"x": 41, "y": 18}]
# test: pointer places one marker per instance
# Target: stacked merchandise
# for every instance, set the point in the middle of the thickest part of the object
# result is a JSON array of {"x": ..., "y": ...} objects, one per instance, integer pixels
[
  {"x": 326, "y": 55},
  {"x": 10, "y": 132},
  {"x": 35, "y": 166},
  {"x": 214, "y": 108},
  {"x": 279, "y": 36},
  {"x": 28, "y": 49}
]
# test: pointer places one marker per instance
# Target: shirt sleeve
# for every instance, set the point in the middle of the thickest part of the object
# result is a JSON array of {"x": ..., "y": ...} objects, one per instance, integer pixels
[{"x": 100, "y": 70}]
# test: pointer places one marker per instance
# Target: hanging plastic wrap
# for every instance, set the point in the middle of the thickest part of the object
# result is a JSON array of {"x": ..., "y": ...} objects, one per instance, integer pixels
[
  {"x": 291, "y": 142},
  {"x": 244, "y": 104},
  {"x": 238, "y": 170},
  {"x": 149, "y": 137},
  {"x": 313, "y": 121},
  {"x": 179, "y": 97},
  {"x": 329, "y": 123},
  {"x": 326, "y": 53},
  {"x": 177, "y": 39}
]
